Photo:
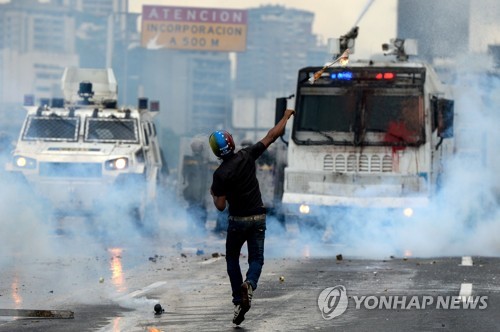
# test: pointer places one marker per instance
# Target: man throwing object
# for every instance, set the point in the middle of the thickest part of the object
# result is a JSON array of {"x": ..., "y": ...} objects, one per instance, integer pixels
[{"x": 235, "y": 182}]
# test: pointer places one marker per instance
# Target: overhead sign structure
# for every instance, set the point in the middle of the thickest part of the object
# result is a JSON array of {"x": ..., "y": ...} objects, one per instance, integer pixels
[{"x": 191, "y": 28}]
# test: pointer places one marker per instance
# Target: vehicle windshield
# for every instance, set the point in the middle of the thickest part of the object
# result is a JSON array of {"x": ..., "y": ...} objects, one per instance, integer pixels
[
  {"x": 360, "y": 117},
  {"x": 397, "y": 117},
  {"x": 109, "y": 130},
  {"x": 51, "y": 128},
  {"x": 326, "y": 118}
]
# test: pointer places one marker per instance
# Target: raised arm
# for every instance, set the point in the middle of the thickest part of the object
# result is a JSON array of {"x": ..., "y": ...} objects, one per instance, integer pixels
[{"x": 277, "y": 130}]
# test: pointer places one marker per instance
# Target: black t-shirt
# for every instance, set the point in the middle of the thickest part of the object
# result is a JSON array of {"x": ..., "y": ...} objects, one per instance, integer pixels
[{"x": 235, "y": 178}]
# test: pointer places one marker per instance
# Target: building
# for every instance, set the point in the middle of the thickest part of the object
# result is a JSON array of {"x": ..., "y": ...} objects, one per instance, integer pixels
[
  {"x": 441, "y": 27},
  {"x": 36, "y": 43},
  {"x": 95, "y": 7},
  {"x": 280, "y": 42},
  {"x": 38, "y": 40},
  {"x": 194, "y": 89},
  {"x": 449, "y": 28},
  {"x": 484, "y": 25},
  {"x": 104, "y": 34}
]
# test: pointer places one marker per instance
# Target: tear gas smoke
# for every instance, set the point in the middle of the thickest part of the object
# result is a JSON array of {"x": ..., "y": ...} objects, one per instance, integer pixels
[
  {"x": 42, "y": 251},
  {"x": 463, "y": 217}
]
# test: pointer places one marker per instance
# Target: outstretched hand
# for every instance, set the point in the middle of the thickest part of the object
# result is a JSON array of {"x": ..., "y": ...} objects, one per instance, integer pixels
[
  {"x": 289, "y": 112},
  {"x": 278, "y": 130}
]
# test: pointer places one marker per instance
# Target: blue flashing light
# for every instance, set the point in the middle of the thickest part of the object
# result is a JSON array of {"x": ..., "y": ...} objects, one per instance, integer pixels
[{"x": 343, "y": 76}]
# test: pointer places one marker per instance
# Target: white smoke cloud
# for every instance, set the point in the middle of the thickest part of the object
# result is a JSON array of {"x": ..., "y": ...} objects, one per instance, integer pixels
[
  {"x": 462, "y": 219},
  {"x": 43, "y": 253}
]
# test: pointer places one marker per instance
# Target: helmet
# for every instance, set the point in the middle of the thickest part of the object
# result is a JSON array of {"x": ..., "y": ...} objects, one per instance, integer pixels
[
  {"x": 221, "y": 142},
  {"x": 197, "y": 146}
]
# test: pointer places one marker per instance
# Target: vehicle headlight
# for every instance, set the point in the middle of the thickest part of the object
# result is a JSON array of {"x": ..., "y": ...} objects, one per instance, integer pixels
[
  {"x": 117, "y": 164},
  {"x": 304, "y": 209},
  {"x": 21, "y": 162},
  {"x": 408, "y": 212},
  {"x": 24, "y": 162}
]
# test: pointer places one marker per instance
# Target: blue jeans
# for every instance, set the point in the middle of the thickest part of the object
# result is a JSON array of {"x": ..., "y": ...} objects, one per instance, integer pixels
[{"x": 239, "y": 232}]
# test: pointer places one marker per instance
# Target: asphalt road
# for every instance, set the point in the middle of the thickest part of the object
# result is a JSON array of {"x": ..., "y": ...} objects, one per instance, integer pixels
[{"x": 115, "y": 288}]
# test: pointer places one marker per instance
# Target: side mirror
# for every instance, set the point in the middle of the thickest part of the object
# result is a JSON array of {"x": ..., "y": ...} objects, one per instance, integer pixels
[
  {"x": 445, "y": 109},
  {"x": 281, "y": 105}
]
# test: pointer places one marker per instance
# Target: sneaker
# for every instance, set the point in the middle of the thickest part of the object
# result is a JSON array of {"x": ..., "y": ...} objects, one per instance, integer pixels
[
  {"x": 239, "y": 314},
  {"x": 246, "y": 295}
]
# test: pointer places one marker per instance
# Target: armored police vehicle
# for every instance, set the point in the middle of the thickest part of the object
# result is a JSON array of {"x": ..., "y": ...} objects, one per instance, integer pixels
[
  {"x": 367, "y": 134},
  {"x": 83, "y": 153}
]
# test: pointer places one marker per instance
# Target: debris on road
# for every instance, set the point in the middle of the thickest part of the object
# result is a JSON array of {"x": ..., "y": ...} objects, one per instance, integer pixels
[
  {"x": 59, "y": 314},
  {"x": 158, "y": 309},
  {"x": 339, "y": 257},
  {"x": 282, "y": 278}
]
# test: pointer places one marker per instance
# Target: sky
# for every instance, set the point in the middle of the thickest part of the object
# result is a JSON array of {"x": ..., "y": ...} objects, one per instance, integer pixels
[{"x": 332, "y": 18}]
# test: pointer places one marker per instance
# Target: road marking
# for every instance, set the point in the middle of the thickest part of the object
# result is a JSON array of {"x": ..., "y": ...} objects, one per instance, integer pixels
[
  {"x": 211, "y": 260},
  {"x": 466, "y": 261},
  {"x": 465, "y": 292},
  {"x": 465, "y": 288},
  {"x": 145, "y": 289}
]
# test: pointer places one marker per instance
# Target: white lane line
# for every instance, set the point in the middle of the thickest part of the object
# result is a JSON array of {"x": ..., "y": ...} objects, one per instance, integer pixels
[
  {"x": 145, "y": 289},
  {"x": 211, "y": 260},
  {"x": 466, "y": 261},
  {"x": 465, "y": 292}
]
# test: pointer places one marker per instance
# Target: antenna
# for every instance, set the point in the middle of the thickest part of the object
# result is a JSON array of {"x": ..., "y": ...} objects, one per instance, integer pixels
[{"x": 346, "y": 42}]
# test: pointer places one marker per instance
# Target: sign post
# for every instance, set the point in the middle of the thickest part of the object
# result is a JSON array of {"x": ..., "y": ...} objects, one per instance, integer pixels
[{"x": 191, "y": 28}]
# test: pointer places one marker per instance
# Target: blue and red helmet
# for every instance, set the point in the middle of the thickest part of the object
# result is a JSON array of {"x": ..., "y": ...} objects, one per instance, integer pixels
[{"x": 222, "y": 143}]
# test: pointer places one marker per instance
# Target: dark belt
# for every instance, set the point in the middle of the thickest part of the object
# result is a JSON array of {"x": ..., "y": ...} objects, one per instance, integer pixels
[{"x": 257, "y": 217}]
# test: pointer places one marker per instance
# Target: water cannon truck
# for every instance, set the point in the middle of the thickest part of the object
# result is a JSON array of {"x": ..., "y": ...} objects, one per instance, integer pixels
[{"x": 368, "y": 134}]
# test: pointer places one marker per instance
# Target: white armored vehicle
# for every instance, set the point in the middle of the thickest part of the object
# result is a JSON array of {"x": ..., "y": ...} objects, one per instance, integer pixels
[
  {"x": 84, "y": 154},
  {"x": 372, "y": 134}
]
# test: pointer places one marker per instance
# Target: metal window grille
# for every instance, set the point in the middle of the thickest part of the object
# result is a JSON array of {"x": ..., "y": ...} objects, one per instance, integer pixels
[
  {"x": 111, "y": 130},
  {"x": 51, "y": 128}
]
